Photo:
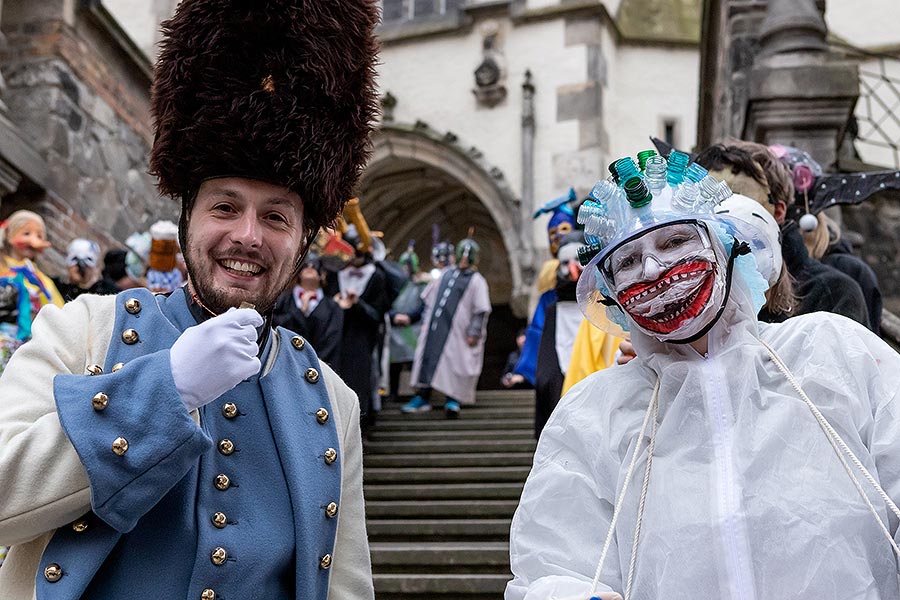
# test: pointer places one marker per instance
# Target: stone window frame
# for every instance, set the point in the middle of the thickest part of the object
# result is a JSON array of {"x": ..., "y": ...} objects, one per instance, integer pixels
[
  {"x": 443, "y": 9},
  {"x": 666, "y": 121}
]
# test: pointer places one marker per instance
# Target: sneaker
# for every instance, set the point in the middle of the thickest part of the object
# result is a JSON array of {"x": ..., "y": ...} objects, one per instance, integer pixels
[
  {"x": 417, "y": 404},
  {"x": 451, "y": 409}
]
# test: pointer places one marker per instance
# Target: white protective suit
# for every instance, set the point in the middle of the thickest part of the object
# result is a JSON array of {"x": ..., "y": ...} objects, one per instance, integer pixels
[{"x": 746, "y": 497}]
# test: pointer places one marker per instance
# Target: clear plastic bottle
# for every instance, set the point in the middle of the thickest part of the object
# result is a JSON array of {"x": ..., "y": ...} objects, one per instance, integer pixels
[
  {"x": 655, "y": 173},
  {"x": 686, "y": 197}
]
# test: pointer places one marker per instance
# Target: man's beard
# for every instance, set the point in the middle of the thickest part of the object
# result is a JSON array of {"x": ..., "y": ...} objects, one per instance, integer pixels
[{"x": 219, "y": 299}]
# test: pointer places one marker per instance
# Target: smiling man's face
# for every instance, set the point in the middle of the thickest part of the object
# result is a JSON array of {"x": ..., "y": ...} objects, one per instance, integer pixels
[{"x": 244, "y": 238}]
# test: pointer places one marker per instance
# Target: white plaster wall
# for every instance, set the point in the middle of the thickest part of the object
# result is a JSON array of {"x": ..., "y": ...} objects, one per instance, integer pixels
[
  {"x": 649, "y": 84},
  {"x": 138, "y": 19},
  {"x": 433, "y": 80},
  {"x": 868, "y": 24}
]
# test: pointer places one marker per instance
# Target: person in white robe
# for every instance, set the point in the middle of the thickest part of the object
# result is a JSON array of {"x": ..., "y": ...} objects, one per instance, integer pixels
[
  {"x": 450, "y": 351},
  {"x": 731, "y": 459}
]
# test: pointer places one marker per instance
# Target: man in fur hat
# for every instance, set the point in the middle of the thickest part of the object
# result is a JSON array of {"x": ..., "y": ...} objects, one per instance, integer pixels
[{"x": 176, "y": 446}]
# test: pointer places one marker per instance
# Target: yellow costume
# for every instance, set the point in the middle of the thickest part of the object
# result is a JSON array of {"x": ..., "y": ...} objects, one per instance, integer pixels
[{"x": 594, "y": 350}]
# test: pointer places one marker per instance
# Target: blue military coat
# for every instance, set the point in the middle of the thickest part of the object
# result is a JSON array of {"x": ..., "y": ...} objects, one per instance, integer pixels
[{"x": 241, "y": 506}]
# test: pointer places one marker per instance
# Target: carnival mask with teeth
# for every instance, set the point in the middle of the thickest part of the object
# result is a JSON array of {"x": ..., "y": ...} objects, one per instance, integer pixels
[{"x": 670, "y": 280}]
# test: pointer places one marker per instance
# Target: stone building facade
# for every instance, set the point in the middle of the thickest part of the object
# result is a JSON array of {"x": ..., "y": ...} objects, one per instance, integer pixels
[
  {"x": 824, "y": 77},
  {"x": 76, "y": 97}
]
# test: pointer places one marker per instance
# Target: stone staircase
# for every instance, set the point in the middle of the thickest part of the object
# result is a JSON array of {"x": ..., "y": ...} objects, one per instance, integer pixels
[{"x": 440, "y": 495}]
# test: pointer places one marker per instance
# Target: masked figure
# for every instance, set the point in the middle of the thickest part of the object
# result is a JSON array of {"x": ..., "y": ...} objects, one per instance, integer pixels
[
  {"x": 450, "y": 351},
  {"x": 83, "y": 270},
  {"x": 406, "y": 318},
  {"x": 163, "y": 275},
  {"x": 562, "y": 223},
  {"x": 562, "y": 319},
  {"x": 24, "y": 289},
  {"x": 731, "y": 458},
  {"x": 365, "y": 298}
]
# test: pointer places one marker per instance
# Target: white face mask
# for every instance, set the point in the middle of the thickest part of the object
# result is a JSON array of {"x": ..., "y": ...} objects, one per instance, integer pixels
[{"x": 670, "y": 281}]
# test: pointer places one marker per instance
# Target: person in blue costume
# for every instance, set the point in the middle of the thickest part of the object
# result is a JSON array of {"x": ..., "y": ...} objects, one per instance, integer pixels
[
  {"x": 562, "y": 222},
  {"x": 176, "y": 445}
]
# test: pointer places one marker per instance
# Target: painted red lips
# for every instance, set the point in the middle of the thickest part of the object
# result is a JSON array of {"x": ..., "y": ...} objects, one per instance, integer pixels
[{"x": 678, "y": 311}]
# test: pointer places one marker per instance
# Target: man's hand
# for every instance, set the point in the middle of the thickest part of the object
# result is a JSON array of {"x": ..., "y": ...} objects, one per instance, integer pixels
[
  {"x": 211, "y": 358},
  {"x": 345, "y": 301},
  {"x": 626, "y": 353},
  {"x": 511, "y": 379},
  {"x": 401, "y": 320}
]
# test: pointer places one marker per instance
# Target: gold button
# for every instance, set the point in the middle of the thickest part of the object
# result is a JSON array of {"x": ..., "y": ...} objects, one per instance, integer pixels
[
  {"x": 226, "y": 447},
  {"x": 219, "y": 520},
  {"x": 53, "y": 573},
  {"x": 222, "y": 482},
  {"x": 130, "y": 336},
  {"x": 100, "y": 401},
  {"x": 133, "y": 306},
  {"x": 80, "y": 526},
  {"x": 116, "y": 367},
  {"x": 298, "y": 342},
  {"x": 208, "y": 594},
  {"x": 322, "y": 416},
  {"x": 120, "y": 446},
  {"x": 94, "y": 369},
  {"x": 312, "y": 375},
  {"x": 219, "y": 556},
  {"x": 331, "y": 510},
  {"x": 230, "y": 410},
  {"x": 325, "y": 562},
  {"x": 330, "y": 455}
]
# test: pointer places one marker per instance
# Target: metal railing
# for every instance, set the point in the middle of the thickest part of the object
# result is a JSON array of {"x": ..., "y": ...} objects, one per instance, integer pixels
[{"x": 876, "y": 127}]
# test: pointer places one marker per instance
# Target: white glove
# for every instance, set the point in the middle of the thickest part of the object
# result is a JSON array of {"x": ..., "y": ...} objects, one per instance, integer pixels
[{"x": 213, "y": 357}]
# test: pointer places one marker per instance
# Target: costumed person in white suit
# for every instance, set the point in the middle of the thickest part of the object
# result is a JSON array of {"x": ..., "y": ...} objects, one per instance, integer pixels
[
  {"x": 177, "y": 446},
  {"x": 731, "y": 458},
  {"x": 450, "y": 351}
]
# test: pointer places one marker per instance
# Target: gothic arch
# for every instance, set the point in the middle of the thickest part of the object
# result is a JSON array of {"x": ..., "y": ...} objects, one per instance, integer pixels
[{"x": 418, "y": 176}]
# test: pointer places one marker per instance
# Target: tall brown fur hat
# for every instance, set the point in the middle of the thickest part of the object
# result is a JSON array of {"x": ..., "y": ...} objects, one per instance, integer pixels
[{"x": 277, "y": 90}]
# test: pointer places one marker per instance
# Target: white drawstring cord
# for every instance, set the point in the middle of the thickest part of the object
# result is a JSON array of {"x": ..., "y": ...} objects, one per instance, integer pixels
[
  {"x": 618, "y": 508},
  {"x": 839, "y": 446},
  {"x": 643, "y": 501}
]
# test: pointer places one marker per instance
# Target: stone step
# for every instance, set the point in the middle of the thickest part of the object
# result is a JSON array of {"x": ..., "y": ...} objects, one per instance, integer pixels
[
  {"x": 521, "y": 395},
  {"x": 413, "y": 424},
  {"x": 475, "y": 459},
  {"x": 450, "y": 509},
  {"x": 446, "y": 530},
  {"x": 384, "y": 475},
  {"x": 440, "y": 557},
  {"x": 449, "y": 446},
  {"x": 400, "y": 586},
  {"x": 440, "y": 434},
  {"x": 454, "y": 491},
  {"x": 472, "y": 413}
]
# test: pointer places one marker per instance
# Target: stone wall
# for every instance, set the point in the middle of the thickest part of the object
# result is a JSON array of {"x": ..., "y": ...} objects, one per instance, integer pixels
[
  {"x": 83, "y": 103},
  {"x": 878, "y": 220}
]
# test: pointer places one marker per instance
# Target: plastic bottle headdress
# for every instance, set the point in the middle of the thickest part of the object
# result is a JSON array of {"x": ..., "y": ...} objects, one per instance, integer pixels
[{"x": 637, "y": 198}]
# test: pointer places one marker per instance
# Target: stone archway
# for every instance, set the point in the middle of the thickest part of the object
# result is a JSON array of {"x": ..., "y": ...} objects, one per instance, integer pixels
[{"x": 418, "y": 176}]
